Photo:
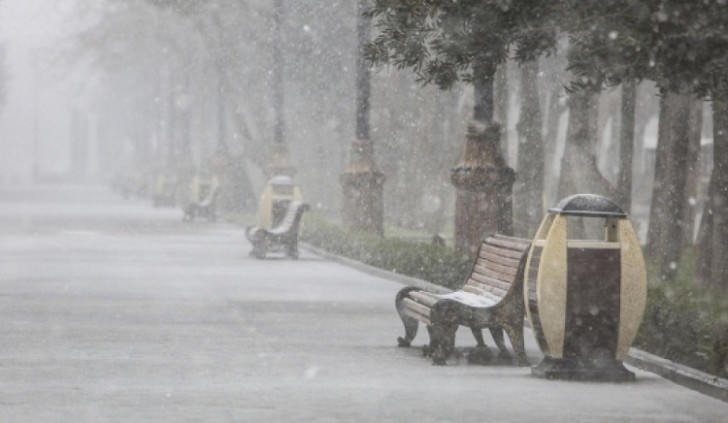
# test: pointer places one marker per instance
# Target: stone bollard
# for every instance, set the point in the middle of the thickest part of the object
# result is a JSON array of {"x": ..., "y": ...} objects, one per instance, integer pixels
[{"x": 585, "y": 298}]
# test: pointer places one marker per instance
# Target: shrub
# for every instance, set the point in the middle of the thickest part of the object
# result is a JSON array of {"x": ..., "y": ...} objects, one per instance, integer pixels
[
  {"x": 435, "y": 264},
  {"x": 681, "y": 319}
]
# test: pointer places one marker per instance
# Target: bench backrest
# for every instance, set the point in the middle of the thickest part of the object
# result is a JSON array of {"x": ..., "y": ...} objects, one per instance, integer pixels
[
  {"x": 292, "y": 218},
  {"x": 210, "y": 197},
  {"x": 500, "y": 262}
]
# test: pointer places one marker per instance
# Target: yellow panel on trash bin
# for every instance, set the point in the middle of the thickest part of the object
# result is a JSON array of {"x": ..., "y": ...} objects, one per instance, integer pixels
[
  {"x": 551, "y": 287},
  {"x": 633, "y": 290}
]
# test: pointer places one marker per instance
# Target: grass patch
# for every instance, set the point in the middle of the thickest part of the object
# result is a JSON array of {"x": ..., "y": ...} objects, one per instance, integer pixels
[
  {"x": 681, "y": 319},
  {"x": 440, "y": 265}
]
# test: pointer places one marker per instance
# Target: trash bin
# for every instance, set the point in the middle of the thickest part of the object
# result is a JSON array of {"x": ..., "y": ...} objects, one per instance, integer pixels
[
  {"x": 585, "y": 298},
  {"x": 279, "y": 192}
]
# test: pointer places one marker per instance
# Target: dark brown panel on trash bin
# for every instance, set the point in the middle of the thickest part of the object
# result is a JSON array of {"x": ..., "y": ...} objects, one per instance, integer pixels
[{"x": 592, "y": 303}]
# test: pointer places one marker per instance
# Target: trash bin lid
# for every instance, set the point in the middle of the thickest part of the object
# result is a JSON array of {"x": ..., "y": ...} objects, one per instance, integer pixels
[
  {"x": 281, "y": 180},
  {"x": 588, "y": 205}
]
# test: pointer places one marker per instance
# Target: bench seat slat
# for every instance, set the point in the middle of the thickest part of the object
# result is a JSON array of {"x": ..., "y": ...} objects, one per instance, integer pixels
[
  {"x": 485, "y": 280},
  {"x": 485, "y": 291},
  {"x": 487, "y": 288},
  {"x": 471, "y": 299}
]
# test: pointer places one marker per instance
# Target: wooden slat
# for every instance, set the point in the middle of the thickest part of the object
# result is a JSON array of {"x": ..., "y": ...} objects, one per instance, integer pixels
[
  {"x": 487, "y": 250},
  {"x": 500, "y": 290},
  {"x": 416, "y": 307},
  {"x": 418, "y": 316},
  {"x": 488, "y": 272},
  {"x": 496, "y": 267},
  {"x": 423, "y": 297},
  {"x": 501, "y": 260},
  {"x": 509, "y": 242},
  {"x": 485, "y": 280},
  {"x": 495, "y": 293}
]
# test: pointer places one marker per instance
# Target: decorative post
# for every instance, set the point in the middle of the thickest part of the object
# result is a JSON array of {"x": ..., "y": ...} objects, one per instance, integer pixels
[
  {"x": 361, "y": 181},
  {"x": 484, "y": 184}
]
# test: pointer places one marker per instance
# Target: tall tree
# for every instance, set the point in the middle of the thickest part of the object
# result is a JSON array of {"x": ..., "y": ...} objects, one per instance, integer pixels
[
  {"x": 529, "y": 183},
  {"x": 626, "y": 145},
  {"x": 447, "y": 42}
]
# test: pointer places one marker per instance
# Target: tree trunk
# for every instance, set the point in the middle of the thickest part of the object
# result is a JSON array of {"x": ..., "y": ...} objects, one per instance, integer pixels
[
  {"x": 626, "y": 146},
  {"x": 529, "y": 186},
  {"x": 579, "y": 171},
  {"x": 501, "y": 104},
  {"x": 713, "y": 240},
  {"x": 667, "y": 212},
  {"x": 695, "y": 124},
  {"x": 554, "y": 111}
]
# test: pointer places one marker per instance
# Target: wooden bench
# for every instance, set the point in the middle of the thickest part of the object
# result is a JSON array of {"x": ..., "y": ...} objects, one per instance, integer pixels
[
  {"x": 492, "y": 298},
  {"x": 282, "y": 237},
  {"x": 204, "y": 208}
]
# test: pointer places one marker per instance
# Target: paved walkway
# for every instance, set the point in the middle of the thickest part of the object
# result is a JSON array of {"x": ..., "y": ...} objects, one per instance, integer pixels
[{"x": 113, "y": 311}]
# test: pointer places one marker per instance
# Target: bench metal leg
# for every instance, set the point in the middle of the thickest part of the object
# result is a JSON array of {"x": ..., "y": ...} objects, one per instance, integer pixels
[
  {"x": 497, "y": 334},
  {"x": 445, "y": 324},
  {"x": 260, "y": 245},
  {"x": 445, "y": 343},
  {"x": 292, "y": 248},
  {"x": 410, "y": 324},
  {"x": 478, "y": 334},
  {"x": 429, "y": 348},
  {"x": 515, "y": 334}
]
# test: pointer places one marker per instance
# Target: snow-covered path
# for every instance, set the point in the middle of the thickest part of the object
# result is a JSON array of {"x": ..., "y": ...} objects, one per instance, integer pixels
[{"x": 112, "y": 311}]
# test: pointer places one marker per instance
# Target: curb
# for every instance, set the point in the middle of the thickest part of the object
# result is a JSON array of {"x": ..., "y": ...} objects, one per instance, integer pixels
[
  {"x": 696, "y": 380},
  {"x": 375, "y": 271}
]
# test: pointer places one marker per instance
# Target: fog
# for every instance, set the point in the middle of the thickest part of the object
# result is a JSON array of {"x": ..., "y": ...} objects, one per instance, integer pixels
[{"x": 118, "y": 115}]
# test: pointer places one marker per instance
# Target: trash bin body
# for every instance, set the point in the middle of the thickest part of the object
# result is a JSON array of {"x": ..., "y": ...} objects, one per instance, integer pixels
[{"x": 585, "y": 298}]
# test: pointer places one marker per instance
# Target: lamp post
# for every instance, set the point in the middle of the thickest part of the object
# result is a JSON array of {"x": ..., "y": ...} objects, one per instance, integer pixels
[
  {"x": 362, "y": 182},
  {"x": 484, "y": 182}
]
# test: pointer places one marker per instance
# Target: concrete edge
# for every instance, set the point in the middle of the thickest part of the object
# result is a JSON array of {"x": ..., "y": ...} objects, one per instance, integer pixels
[
  {"x": 682, "y": 375},
  {"x": 375, "y": 271},
  {"x": 688, "y": 377}
]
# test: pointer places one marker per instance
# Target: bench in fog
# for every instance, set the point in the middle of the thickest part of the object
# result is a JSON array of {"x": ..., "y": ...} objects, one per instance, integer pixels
[
  {"x": 492, "y": 297},
  {"x": 283, "y": 237}
]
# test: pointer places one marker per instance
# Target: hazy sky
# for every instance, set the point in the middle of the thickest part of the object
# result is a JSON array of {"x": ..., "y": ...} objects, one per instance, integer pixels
[{"x": 32, "y": 32}]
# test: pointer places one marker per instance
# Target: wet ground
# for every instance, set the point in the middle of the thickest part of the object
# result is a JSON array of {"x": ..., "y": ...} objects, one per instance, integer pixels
[{"x": 114, "y": 311}]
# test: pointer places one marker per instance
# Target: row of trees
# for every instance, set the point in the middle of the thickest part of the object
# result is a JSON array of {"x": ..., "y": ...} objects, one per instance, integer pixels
[
  {"x": 182, "y": 78},
  {"x": 185, "y": 80},
  {"x": 680, "y": 46}
]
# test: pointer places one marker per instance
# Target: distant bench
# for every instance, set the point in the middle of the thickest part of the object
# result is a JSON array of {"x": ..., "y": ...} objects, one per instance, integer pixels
[
  {"x": 284, "y": 236},
  {"x": 204, "y": 208},
  {"x": 492, "y": 298}
]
